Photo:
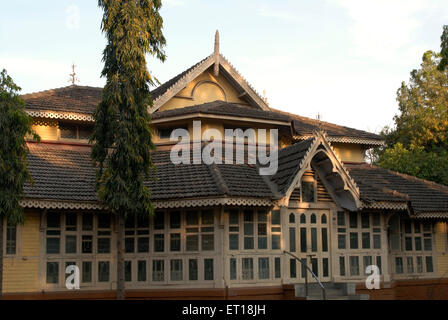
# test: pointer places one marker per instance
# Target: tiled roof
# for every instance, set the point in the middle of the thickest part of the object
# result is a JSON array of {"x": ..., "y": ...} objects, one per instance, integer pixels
[
  {"x": 222, "y": 108},
  {"x": 378, "y": 184},
  {"x": 304, "y": 126},
  {"x": 289, "y": 159},
  {"x": 66, "y": 173},
  {"x": 79, "y": 99}
]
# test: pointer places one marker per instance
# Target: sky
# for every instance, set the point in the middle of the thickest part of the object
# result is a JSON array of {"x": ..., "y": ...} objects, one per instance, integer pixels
[{"x": 342, "y": 59}]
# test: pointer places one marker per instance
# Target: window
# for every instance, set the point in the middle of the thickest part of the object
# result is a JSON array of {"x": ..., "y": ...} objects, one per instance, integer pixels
[
  {"x": 378, "y": 264},
  {"x": 275, "y": 230},
  {"x": 75, "y": 131},
  {"x": 137, "y": 232},
  {"x": 308, "y": 191},
  {"x": 158, "y": 272},
  {"x": 103, "y": 271},
  {"x": 232, "y": 269},
  {"x": 341, "y": 241},
  {"x": 365, "y": 220},
  {"x": 420, "y": 264},
  {"x": 367, "y": 262},
  {"x": 342, "y": 266},
  {"x": 292, "y": 239},
  {"x": 277, "y": 269},
  {"x": 234, "y": 228},
  {"x": 192, "y": 269},
  {"x": 262, "y": 233},
  {"x": 302, "y": 218},
  {"x": 128, "y": 271},
  {"x": 292, "y": 218},
  {"x": 398, "y": 265},
  {"x": 313, "y": 218},
  {"x": 353, "y": 240},
  {"x": 159, "y": 242},
  {"x": 263, "y": 268},
  {"x": 176, "y": 270},
  {"x": 175, "y": 242},
  {"x": 207, "y": 231},
  {"x": 104, "y": 233},
  {"x": 303, "y": 244},
  {"x": 376, "y": 241},
  {"x": 341, "y": 218},
  {"x": 165, "y": 133},
  {"x": 325, "y": 267},
  {"x": 141, "y": 270},
  {"x": 175, "y": 220},
  {"x": 410, "y": 264},
  {"x": 202, "y": 225},
  {"x": 247, "y": 268},
  {"x": 86, "y": 271},
  {"x": 292, "y": 268},
  {"x": 354, "y": 266},
  {"x": 323, "y": 219},
  {"x": 11, "y": 238},
  {"x": 353, "y": 220},
  {"x": 208, "y": 269},
  {"x": 248, "y": 229},
  {"x": 314, "y": 266},
  {"x": 429, "y": 266},
  {"x": 324, "y": 239},
  {"x": 52, "y": 272},
  {"x": 366, "y": 240},
  {"x": 314, "y": 239},
  {"x": 53, "y": 233}
]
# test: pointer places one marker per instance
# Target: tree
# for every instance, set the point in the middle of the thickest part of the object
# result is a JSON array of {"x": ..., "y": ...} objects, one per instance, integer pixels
[
  {"x": 444, "y": 49},
  {"x": 418, "y": 145},
  {"x": 15, "y": 125},
  {"x": 122, "y": 137}
]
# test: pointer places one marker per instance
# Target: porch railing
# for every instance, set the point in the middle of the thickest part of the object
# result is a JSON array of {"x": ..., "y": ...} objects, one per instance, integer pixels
[{"x": 305, "y": 265}]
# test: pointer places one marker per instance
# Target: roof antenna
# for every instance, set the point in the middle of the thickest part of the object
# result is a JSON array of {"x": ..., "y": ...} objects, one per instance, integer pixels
[
  {"x": 319, "y": 122},
  {"x": 216, "y": 54},
  {"x": 73, "y": 79}
]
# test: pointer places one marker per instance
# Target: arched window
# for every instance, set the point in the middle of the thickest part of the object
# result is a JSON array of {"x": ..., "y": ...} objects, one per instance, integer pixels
[
  {"x": 324, "y": 218},
  {"x": 292, "y": 219},
  {"x": 302, "y": 218},
  {"x": 313, "y": 218}
]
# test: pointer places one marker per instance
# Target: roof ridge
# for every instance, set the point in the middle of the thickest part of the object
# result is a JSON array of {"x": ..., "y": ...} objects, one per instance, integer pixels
[{"x": 38, "y": 93}]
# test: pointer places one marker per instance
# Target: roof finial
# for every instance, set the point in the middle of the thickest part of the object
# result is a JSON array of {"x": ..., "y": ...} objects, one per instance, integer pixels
[
  {"x": 216, "y": 54},
  {"x": 73, "y": 79},
  {"x": 319, "y": 121}
]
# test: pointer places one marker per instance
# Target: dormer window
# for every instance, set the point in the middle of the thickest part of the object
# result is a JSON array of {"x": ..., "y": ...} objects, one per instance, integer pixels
[
  {"x": 74, "y": 131},
  {"x": 165, "y": 133}
]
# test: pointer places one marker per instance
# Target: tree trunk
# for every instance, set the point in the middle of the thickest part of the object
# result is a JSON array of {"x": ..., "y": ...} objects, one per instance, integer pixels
[
  {"x": 1, "y": 257},
  {"x": 120, "y": 257}
]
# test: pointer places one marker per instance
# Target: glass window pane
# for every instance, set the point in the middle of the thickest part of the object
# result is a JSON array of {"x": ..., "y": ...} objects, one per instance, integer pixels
[
  {"x": 175, "y": 220},
  {"x": 303, "y": 244},
  {"x": 292, "y": 268},
  {"x": 192, "y": 242},
  {"x": 233, "y": 241},
  {"x": 262, "y": 242},
  {"x": 367, "y": 262},
  {"x": 291, "y": 218},
  {"x": 159, "y": 242},
  {"x": 376, "y": 241},
  {"x": 104, "y": 221},
  {"x": 175, "y": 242},
  {"x": 418, "y": 243},
  {"x": 248, "y": 243},
  {"x": 302, "y": 218},
  {"x": 233, "y": 217},
  {"x": 87, "y": 244},
  {"x": 86, "y": 271},
  {"x": 104, "y": 245},
  {"x": 53, "y": 245},
  {"x": 341, "y": 241},
  {"x": 277, "y": 270},
  {"x": 141, "y": 272},
  {"x": 314, "y": 266},
  {"x": 292, "y": 239},
  {"x": 52, "y": 272},
  {"x": 410, "y": 264},
  {"x": 398, "y": 265},
  {"x": 324, "y": 239},
  {"x": 275, "y": 217},
  {"x": 159, "y": 220},
  {"x": 53, "y": 220},
  {"x": 71, "y": 221},
  {"x": 275, "y": 242},
  {"x": 143, "y": 244},
  {"x": 341, "y": 218},
  {"x": 11, "y": 238},
  {"x": 208, "y": 269},
  {"x": 366, "y": 240},
  {"x": 429, "y": 265},
  {"x": 313, "y": 218},
  {"x": 208, "y": 242},
  {"x": 87, "y": 222},
  {"x": 67, "y": 130},
  {"x": 378, "y": 264},
  {"x": 354, "y": 266},
  {"x": 70, "y": 244},
  {"x": 408, "y": 243},
  {"x": 247, "y": 268},
  {"x": 313, "y": 239},
  {"x": 103, "y": 271},
  {"x": 420, "y": 264},
  {"x": 376, "y": 219},
  {"x": 176, "y": 270},
  {"x": 192, "y": 218},
  {"x": 158, "y": 270},
  {"x": 263, "y": 268},
  {"x": 207, "y": 217},
  {"x": 323, "y": 219},
  {"x": 342, "y": 266},
  {"x": 128, "y": 271},
  {"x": 192, "y": 269},
  {"x": 427, "y": 242},
  {"x": 353, "y": 219},
  {"x": 353, "y": 240},
  {"x": 365, "y": 220},
  {"x": 232, "y": 269}
]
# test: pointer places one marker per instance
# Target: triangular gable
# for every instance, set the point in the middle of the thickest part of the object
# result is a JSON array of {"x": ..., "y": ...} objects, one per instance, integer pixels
[
  {"x": 172, "y": 87},
  {"x": 321, "y": 158}
]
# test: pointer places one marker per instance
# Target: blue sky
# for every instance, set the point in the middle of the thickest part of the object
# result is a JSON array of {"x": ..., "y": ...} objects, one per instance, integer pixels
[{"x": 344, "y": 59}]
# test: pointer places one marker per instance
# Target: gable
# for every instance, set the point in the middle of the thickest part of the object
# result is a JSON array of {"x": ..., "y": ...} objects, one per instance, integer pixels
[{"x": 205, "y": 88}]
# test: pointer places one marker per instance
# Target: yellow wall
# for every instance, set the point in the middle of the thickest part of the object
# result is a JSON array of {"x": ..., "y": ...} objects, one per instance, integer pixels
[
  {"x": 440, "y": 229},
  {"x": 21, "y": 272},
  {"x": 349, "y": 152},
  {"x": 205, "y": 88},
  {"x": 47, "y": 130}
]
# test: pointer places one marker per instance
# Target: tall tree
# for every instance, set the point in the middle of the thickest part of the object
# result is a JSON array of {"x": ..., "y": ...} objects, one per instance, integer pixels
[
  {"x": 444, "y": 49},
  {"x": 418, "y": 145},
  {"x": 15, "y": 125},
  {"x": 122, "y": 138}
]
